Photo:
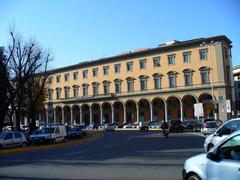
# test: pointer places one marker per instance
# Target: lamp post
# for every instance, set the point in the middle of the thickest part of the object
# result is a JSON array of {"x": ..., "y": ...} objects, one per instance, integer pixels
[{"x": 209, "y": 44}]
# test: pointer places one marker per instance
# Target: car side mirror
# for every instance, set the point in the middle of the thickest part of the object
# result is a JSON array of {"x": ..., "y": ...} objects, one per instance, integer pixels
[{"x": 213, "y": 156}]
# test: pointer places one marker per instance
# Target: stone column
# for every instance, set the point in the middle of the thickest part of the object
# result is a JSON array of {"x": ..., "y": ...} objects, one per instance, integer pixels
[
  {"x": 113, "y": 120},
  {"x": 137, "y": 108},
  {"x": 71, "y": 116},
  {"x": 166, "y": 112},
  {"x": 90, "y": 110},
  {"x": 54, "y": 115},
  {"x": 80, "y": 116},
  {"x": 151, "y": 112},
  {"x": 124, "y": 114},
  {"x": 62, "y": 116},
  {"x": 46, "y": 115},
  {"x": 101, "y": 114},
  {"x": 181, "y": 111}
]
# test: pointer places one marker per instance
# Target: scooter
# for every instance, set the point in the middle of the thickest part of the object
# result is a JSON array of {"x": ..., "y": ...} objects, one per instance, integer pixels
[{"x": 165, "y": 132}]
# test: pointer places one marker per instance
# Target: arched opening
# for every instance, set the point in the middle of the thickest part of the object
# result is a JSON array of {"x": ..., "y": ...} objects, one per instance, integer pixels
[
  {"x": 144, "y": 110},
  {"x": 67, "y": 115},
  {"x": 208, "y": 105},
  {"x": 96, "y": 114},
  {"x": 131, "y": 112},
  {"x": 107, "y": 110},
  {"x": 158, "y": 109},
  {"x": 76, "y": 114},
  {"x": 118, "y": 112},
  {"x": 85, "y": 114},
  {"x": 188, "y": 107},
  {"x": 58, "y": 112},
  {"x": 173, "y": 108}
]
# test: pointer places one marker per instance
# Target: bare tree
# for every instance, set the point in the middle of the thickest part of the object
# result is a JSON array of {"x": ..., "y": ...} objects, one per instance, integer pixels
[{"x": 28, "y": 67}]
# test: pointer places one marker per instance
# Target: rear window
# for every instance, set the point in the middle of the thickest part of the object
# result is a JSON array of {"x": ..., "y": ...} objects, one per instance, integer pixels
[
  {"x": 17, "y": 135},
  {"x": 211, "y": 124},
  {"x": 48, "y": 130}
]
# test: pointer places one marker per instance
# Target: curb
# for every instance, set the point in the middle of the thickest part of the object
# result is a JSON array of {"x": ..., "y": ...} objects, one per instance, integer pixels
[{"x": 51, "y": 146}]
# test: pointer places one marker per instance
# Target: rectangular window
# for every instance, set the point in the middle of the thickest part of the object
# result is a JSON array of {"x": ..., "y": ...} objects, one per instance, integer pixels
[
  {"x": 172, "y": 81},
  {"x": 142, "y": 64},
  {"x": 143, "y": 84},
  {"x": 106, "y": 70},
  {"x": 117, "y": 68},
  {"x": 75, "y": 92},
  {"x": 118, "y": 87},
  {"x": 130, "y": 66},
  {"x": 186, "y": 57},
  {"x": 50, "y": 80},
  {"x": 95, "y": 72},
  {"x": 75, "y": 76},
  {"x": 85, "y": 73},
  {"x": 66, "y": 77},
  {"x": 171, "y": 59},
  {"x": 203, "y": 54},
  {"x": 156, "y": 61},
  {"x": 85, "y": 91},
  {"x": 66, "y": 93},
  {"x": 58, "y": 94},
  {"x": 106, "y": 88},
  {"x": 50, "y": 95},
  {"x": 58, "y": 78},
  {"x": 205, "y": 77},
  {"x": 157, "y": 83},
  {"x": 188, "y": 79},
  {"x": 130, "y": 86},
  {"x": 95, "y": 90}
]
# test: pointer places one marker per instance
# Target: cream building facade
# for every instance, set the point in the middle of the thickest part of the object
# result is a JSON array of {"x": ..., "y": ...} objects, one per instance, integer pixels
[{"x": 151, "y": 84}]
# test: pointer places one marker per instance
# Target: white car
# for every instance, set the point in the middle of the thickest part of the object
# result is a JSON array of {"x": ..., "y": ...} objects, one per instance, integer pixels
[
  {"x": 209, "y": 127},
  {"x": 12, "y": 139},
  {"x": 222, "y": 132},
  {"x": 53, "y": 134},
  {"x": 222, "y": 162}
]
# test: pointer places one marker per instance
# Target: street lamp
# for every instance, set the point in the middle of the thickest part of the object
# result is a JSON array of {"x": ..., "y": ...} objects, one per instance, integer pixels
[{"x": 209, "y": 44}]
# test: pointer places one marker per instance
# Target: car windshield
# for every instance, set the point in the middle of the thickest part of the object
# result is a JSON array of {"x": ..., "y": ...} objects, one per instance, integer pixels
[
  {"x": 2, "y": 135},
  {"x": 37, "y": 132},
  {"x": 73, "y": 129},
  {"x": 211, "y": 124},
  {"x": 49, "y": 130}
]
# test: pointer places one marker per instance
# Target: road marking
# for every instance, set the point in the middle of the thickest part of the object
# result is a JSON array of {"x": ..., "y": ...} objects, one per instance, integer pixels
[
  {"x": 111, "y": 145},
  {"x": 79, "y": 152}
]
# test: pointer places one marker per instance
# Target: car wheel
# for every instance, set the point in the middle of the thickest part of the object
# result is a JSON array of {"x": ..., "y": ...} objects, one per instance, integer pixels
[
  {"x": 210, "y": 146},
  {"x": 24, "y": 144},
  {"x": 194, "y": 177}
]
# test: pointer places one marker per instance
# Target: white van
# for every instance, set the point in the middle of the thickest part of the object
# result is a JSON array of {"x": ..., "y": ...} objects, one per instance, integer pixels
[{"x": 52, "y": 133}]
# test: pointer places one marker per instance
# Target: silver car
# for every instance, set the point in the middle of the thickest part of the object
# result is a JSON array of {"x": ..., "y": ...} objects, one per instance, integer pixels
[
  {"x": 222, "y": 162},
  {"x": 221, "y": 133},
  {"x": 12, "y": 139}
]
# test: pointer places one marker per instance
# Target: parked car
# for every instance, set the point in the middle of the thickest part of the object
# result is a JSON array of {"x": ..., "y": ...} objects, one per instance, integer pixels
[
  {"x": 12, "y": 139},
  {"x": 209, "y": 127},
  {"x": 222, "y": 162},
  {"x": 109, "y": 127},
  {"x": 75, "y": 132},
  {"x": 144, "y": 126},
  {"x": 176, "y": 125},
  {"x": 155, "y": 125},
  {"x": 221, "y": 133},
  {"x": 52, "y": 133},
  {"x": 130, "y": 125}
]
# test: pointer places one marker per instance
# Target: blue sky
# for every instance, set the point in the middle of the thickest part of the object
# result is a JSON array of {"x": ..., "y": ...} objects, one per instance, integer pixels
[{"x": 77, "y": 31}]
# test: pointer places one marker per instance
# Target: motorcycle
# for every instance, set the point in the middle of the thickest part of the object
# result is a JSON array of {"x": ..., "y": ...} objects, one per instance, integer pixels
[{"x": 165, "y": 132}]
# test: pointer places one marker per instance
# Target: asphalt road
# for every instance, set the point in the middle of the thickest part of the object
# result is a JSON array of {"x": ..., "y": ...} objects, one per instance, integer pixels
[{"x": 116, "y": 155}]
